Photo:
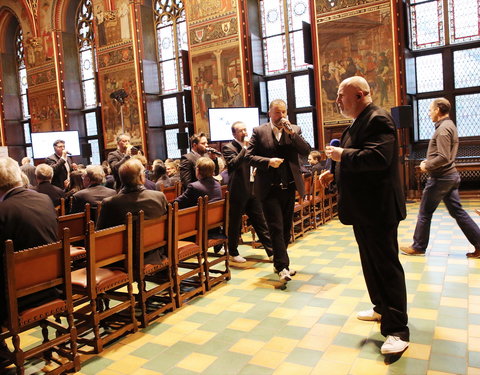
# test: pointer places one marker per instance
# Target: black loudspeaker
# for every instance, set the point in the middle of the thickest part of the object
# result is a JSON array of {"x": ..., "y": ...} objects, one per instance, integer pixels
[
  {"x": 186, "y": 67},
  {"x": 182, "y": 140},
  {"x": 403, "y": 116},
  {"x": 307, "y": 42},
  {"x": 86, "y": 150},
  {"x": 188, "y": 106}
]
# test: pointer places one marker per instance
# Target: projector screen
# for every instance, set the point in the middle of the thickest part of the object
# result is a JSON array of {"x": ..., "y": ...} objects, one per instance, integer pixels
[
  {"x": 42, "y": 143},
  {"x": 220, "y": 121}
]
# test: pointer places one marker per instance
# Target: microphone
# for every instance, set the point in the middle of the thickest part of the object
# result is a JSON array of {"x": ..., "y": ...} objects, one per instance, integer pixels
[
  {"x": 69, "y": 153},
  {"x": 213, "y": 151},
  {"x": 286, "y": 124},
  {"x": 335, "y": 142}
]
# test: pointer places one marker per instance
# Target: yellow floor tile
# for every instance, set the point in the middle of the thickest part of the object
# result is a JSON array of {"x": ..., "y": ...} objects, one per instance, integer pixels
[
  {"x": 451, "y": 334},
  {"x": 419, "y": 313},
  {"x": 128, "y": 364},
  {"x": 340, "y": 354},
  {"x": 329, "y": 367},
  {"x": 198, "y": 337},
  {"x": 242, "y": 324},
  {"x": 268, "y": 358},
  {"x": 291, "y": 368},
  {"x": 454, "y": 302},
  {"x": 247, "y": 347},
  {"x": 281, "y": 344},
  {"x": 364, "y": 366},
  {"x": 196, "y": 362},
  {"x": 418, "y": 351}
]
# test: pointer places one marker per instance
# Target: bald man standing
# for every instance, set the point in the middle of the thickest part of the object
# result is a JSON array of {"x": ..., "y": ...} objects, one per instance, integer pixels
[{"x": 371, "y": 199}]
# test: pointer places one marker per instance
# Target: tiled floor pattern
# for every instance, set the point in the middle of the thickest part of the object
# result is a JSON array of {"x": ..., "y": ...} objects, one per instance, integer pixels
[{"x": 250, "y": 327}]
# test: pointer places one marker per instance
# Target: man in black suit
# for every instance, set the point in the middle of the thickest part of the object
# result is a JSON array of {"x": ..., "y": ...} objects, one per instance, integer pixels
[
  {"x": 29, "y": 171},
  {"x": 94, "y": 191},
  {"x": 371, "y": 199},
  {"x": 116, "y": 158},
  {"x": 274, "y": 150},
  {"x": 61, "y": 163},
  {"x": 205, "y": 185},
  {"x": 199, "y": 148},
  {"x": 133, "y": 197},
  {"x": 44, "y": 174},
  {"x": 242, "y": 200},
  {"x": 27, "y": 218}
]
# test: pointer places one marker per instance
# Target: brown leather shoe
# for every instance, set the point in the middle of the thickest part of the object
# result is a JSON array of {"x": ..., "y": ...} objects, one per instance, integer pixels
[
  {"x": 475, "y": 254},
  {"x": 408, "y": 250}
]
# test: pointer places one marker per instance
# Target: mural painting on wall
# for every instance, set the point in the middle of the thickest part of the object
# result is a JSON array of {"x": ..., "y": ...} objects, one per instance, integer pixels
[
  {"x": 113, "y": 26},
  {"x": 217, "y": 77},
  {"x": 117, "y": 56},
  {"x": 112, "y": 81},
  {"x": 38, "y": 50},
  {"x": 44, "y": 111},
  {"x": 199, "y": 9},
  {"x": 356, "y": 44}
]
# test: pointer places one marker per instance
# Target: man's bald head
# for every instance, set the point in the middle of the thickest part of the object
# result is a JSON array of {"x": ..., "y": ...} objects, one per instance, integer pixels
[{"x": 353, "y": 96}]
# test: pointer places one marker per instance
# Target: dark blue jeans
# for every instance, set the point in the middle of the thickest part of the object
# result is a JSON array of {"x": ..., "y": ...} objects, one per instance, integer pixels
[{"x": 437, "y": 189}]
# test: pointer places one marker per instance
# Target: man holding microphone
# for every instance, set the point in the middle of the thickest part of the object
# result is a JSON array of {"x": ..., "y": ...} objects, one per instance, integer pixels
[
  {"x": 61, "y": 163},
  {"x": 274, "y": 150},
  {"x": 116, "y": 158}
]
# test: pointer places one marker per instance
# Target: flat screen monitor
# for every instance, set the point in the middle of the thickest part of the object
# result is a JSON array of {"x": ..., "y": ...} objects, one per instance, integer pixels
[
  {"x": 220, "y": 121},
  {"x": 42, "y": 143}
]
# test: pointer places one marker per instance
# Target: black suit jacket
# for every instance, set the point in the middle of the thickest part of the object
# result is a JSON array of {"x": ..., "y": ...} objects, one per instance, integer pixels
[
  {"x": 93, "y": 195},
  {"x": 152, "y": 202},
  {"x": 60, "y": 173},
  {"x": 115, "y": 160},
  {"x": 206, "y": 186},
  {"x": 239, "y": 184},
  {"x": 370, "y": 190},
  {"x": 28, "y": 219},
  {"x": 187, "y": 168},
  {"x": 262, "y": 148},
  {"x": 54, "y": 192}
]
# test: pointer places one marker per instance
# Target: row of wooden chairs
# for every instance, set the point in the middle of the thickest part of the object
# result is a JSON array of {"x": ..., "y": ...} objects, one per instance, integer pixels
[
  {"x": 315, "y": 208},
  {"x": 97, "y": 301}
]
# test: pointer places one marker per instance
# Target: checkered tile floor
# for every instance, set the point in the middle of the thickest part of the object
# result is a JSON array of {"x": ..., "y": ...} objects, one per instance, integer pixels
[{"x": 248, "y": 326}]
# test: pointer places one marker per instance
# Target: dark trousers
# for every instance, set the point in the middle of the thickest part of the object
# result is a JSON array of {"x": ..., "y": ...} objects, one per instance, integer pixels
[
  {"x": 384, "y": 276},
  {"x": 437, "y": 189},
  {"x": 250, "y": 206},
  {"x": 278, "y": 211}
]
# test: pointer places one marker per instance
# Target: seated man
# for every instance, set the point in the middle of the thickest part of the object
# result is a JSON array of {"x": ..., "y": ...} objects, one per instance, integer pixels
[
  {"x": 206, "y": 185},
  {"x": 27, "y": 218},
  {"x": 94, "y": 191},
  {"x": 44, "y": 175},
  {"x": 133, "y": 197}
]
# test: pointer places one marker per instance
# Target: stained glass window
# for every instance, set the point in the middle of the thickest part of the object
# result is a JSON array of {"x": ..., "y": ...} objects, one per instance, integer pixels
[
  {"x": 427, "y": 24},
  {"x": 302, "y": 90},
  {"x": 86, "y": 53},
  {"x": 305, "y": 121},
  {"x": 172, "y": 145},
  {"x": 425, "y": 124},
  {"x": 277, "y": 89},
  {"x": 429, "y": 73},
  {"x": 170, "y": 111},
  {"x": 464, "y": 20},
  {"x": 466, "y": 65},
  {"x": 95, "y": 159},
  {"x": 171, "y": 39},
  {"x": 22, "y": 74},
  {"x": 468, "y": 116}
]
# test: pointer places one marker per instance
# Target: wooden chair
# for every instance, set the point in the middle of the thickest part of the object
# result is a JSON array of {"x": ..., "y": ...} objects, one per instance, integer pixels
[
  {"x": 215, "y": 218},
  {"x": 30, "y": 272},
  {"x": 60, "y": 209},
  {"x": 329, "y": 205},
  {"x": 297, "y": 229},
  {"x": 187, "y": 252},
  {"x": 317, "y": 202},
  {"x": 307, "y": 204},
  {"x": 151, "y": 235},
  {"x": 224, "y": 189},
  {"x": 78, "y": 224},
  {"x": 172, "y": 192},
  {"x": 109, "y": 268}
]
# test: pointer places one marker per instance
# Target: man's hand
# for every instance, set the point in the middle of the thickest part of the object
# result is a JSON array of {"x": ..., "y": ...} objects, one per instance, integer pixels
[
  {"x": 423, "y": 166},
  {"x": 326, "y": 178},
  {"x": 128, "y": 151},
  {"x": 335, "y": 153},
  {"x": 275, "y": 162}
]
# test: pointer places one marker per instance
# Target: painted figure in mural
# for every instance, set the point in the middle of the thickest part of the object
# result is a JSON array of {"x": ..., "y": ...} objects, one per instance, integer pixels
[
  {"x": 382, "y": 77},
  {"x": 234, "y": 91}
]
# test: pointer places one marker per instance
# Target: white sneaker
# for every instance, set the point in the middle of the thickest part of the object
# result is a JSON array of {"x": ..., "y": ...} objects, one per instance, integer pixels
[
  {"x": 291, "y": 272},
  {"x": 238, "y": 259},
  {"x": 284, "y": 275},
  {"x": 369, "y": 315},
  {"x": 270, "y": 258},
  {"x": 394, "y": 344}
]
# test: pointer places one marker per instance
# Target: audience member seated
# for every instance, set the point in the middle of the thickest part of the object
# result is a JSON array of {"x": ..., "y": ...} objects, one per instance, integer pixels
[
  {"x": 160, "y": 176},
  {"x": 150, "y": 185},
  {"x": 29, "y": 170},
  {"x": 27, "y": 218},
  {"x": 109, "y": 179},
  {"x": 173, "y": 171},
  {"x": 316, "y": 162},
  {"x": 44, "y": 175},
  {"x": 133, "y": 197},
  {"x": 205, "y": 185},
  {"x": 94, "y": 191},
  {"x": 75, "y": 184}
]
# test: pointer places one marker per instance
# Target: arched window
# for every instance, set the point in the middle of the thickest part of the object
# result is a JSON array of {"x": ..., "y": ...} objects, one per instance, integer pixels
[
  {"x": 286, "y": 73},
  {"x": 171, "y": 30},
  {"x": 87, "y": 57},
  {"x": 23, "y": 87},
  {"x": 444, "y": 47}
]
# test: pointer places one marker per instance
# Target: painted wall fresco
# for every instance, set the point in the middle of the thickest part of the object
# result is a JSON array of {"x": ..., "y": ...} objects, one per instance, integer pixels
[
  {"x": 44, "y": 110},
  {"x": 110, "y": 81},
  {"x": 113, "y": 26},
  {"x": 209, "y": 9},
  {"x": 358, "y": 42},
  {"x": 217, "y": 82}
]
